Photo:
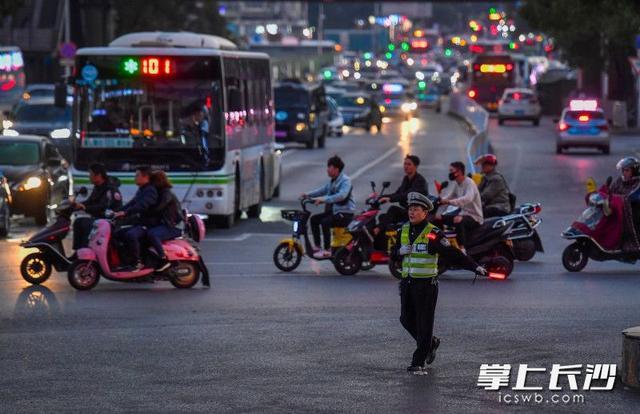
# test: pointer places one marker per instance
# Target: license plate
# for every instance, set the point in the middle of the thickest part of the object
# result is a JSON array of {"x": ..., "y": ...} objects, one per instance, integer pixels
[
  {"x": 281, "y": 134},
  {"x": 583, "y": 130},
  {"x": 519, "y": 111}
]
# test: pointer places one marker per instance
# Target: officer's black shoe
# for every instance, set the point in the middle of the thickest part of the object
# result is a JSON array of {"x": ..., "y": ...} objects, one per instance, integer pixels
[
  {"x": 415, "y": 369},
  {"x": 435, "y": 343}
]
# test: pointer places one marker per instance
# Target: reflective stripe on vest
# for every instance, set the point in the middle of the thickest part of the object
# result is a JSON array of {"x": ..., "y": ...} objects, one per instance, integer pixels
[{"x": 418, "y": 264}]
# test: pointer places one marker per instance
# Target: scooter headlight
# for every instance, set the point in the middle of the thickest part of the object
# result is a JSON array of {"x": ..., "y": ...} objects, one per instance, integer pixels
[{"x": 30, "y": 183}]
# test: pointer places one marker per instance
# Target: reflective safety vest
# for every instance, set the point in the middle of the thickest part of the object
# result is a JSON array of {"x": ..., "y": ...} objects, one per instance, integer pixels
[{"x": 419, "y": 263}]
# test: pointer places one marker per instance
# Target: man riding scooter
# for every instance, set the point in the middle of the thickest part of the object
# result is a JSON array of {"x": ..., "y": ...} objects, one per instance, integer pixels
[
  {"x": 142, "y": 202},
  {"x": 464, "y": 194},
  {"x": 104, "y": 196},
  {"x": 412, "y": 182},
  {"x": 494, "y": 191},
  {"x": 337, "y": 195}
]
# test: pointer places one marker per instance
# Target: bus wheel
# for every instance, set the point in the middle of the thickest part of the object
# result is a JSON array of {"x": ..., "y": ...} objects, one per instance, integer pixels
[{"x": 311, "y": 144}]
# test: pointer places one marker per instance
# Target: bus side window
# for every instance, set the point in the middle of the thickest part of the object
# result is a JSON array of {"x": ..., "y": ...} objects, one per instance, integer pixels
[{"x": 216, "y": 140}]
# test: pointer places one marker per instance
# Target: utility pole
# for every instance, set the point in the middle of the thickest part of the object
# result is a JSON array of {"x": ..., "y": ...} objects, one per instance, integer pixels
[
  {"x": 320, "y": 27},
  {"x": 67, "y": 33}
]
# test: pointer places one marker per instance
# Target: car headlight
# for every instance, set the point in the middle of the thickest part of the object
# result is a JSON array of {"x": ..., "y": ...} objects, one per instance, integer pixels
[
  {"x": 30, "y": 183},
  {"x": 301, "y": 126},
  {"x": 413, "y": 106},
  {"x": 6, "y": 124},
  {"x": 405, "y": 107},
  {"x": 60, "y": 133}
]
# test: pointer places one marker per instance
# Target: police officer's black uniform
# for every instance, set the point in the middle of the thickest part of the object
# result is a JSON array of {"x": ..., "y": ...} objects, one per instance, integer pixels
[{"x": 418, "y": 297}]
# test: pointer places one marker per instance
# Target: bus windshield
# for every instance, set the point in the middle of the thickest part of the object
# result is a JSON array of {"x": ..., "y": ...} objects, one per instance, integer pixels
[
  {"x": 291, "y": 98},
  {"x": 178, "y": 106}
]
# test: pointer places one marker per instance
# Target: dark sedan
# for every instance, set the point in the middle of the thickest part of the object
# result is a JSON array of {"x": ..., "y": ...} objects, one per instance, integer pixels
[{"x": 35, "y": 173}]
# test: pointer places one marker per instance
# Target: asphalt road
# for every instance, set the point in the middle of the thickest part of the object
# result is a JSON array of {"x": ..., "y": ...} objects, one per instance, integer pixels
[{"x": 312, "y": 341}]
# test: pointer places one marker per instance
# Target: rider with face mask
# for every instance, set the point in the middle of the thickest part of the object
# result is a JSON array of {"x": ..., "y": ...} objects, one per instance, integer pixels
[
  {"x": 412, "y": 181},
  {"x": 463, "y": 193}
]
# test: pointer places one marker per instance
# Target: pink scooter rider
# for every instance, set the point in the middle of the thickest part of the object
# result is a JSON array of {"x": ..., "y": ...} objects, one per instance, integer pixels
[{"x": 102, "y": 258}]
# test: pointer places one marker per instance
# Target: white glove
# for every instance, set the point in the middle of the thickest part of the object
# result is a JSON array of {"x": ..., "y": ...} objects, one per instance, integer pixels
[
  {"x": 481, "y": 271},
  {"x": 404, "y": 250}
]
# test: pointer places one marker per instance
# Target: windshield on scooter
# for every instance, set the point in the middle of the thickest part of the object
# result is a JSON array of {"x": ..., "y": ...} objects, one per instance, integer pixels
[{"x": 591, "y": 216}]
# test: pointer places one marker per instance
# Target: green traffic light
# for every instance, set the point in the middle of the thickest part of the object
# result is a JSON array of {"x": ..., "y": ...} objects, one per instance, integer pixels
[
  {"x": 327, "y": 74},
  {"x": 448, "y": 52},
  {"x": 367, "y": 55},
  {"x": 388, "y": 55},
  {"x": 492, "y": 10},
  {"x": 391, "y": 47},
  {"x": 422, "y": 85},
  {"x": 404, "y": 45}
]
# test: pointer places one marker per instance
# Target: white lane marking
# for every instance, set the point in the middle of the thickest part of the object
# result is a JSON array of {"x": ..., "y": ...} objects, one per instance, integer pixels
[
  {"x": 241, "y": 237},
  {"x": 288, "y": 152},
  {"x": 375, "y": 162}
]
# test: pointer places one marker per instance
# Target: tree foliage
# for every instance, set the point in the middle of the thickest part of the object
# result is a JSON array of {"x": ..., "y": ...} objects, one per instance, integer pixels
[
  {"x": 594, "y": 35},
  {"x": 8, "y": 7},
  {"x": 169, "y": 15}
]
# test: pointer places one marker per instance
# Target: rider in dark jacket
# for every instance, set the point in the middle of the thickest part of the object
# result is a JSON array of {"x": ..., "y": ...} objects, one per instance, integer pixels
[
  {"x": 104, "y": 196},
  {"x": 167, "y": 214},
  {"x": 412, "y": 182},
  {"x": 142, "y": 202}
]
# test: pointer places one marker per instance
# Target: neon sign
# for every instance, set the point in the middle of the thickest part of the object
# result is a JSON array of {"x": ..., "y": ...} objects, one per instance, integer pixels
[{"x": 149, "y": 66}]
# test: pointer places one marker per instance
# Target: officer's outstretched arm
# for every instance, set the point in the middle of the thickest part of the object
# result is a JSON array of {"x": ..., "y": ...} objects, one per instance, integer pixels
[{"x": 441, "y": 246}]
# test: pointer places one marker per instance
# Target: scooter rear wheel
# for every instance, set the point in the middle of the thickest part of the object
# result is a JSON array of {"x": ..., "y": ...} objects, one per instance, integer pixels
[
  {"x": 83, "y": 274},
  {"x": 185, "y": 275},
  {"x": 287, "y": 257},
  {"x": 35, "y": 268},
  {"x": 574, "y": 257},
  {"x": 395, "y": 267},
  {"x": 347, "y": 262}
]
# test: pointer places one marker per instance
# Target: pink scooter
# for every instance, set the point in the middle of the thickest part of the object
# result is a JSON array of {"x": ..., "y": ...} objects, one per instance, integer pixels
[{"x": 102, "y": 258}]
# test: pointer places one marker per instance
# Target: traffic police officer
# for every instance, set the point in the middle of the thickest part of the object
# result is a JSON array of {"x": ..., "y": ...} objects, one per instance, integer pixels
[{"x": 420, "y": 245}]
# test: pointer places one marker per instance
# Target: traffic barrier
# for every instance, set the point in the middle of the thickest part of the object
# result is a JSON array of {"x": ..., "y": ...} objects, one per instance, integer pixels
[{"x": 478, "y": 120}]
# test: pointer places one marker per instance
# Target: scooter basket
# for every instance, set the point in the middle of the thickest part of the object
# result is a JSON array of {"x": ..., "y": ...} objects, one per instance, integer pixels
[{"x": 293, "y": 215}]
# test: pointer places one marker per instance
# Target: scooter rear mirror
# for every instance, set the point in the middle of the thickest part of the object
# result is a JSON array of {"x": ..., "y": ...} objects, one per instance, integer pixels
[
  {"x": 386, "y": 184},
  {"x": 444, "y": 185},
  {"x": 373, "y": 186}
]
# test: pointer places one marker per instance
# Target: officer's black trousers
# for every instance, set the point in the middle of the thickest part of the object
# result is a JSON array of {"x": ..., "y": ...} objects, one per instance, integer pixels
[{"x": 418, "y": 300}]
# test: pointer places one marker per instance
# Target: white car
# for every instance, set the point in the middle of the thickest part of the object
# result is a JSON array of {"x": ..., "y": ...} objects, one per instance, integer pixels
[
  {"x": 519, "y": 104},
  {"x": 336, "y": 121},
  {"x": 583, "y": 124}
]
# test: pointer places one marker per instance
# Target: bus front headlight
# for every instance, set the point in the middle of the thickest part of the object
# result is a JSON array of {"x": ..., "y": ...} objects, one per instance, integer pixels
[{"x": 301, "y": 126}]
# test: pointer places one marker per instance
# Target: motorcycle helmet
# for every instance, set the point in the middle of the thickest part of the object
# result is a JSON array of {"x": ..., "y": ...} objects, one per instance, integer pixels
[
  {"x": 629, "y": 162},
  {"x": 490, "y": 159}
]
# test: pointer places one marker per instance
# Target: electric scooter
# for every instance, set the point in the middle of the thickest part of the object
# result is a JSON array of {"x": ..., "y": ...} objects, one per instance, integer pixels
[
  {"x": 104, "y": 257},
  {"x": 37, "y": 267},
  {"x": 584, "y": 247},
  {"x": 288, "y": 254},
  {"x": 366, "y": 250}
]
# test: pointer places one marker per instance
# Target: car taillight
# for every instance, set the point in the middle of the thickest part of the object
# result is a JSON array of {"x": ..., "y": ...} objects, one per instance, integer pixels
[
  {"x": 387, "y": 100},
  {"x": 516, "y": 96},
  {"x": 471, "y": 94},
  {"x": 583, "y": 118},
  {"x": 537, "y": 209},
  {"x": 562, "y": 126}
]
